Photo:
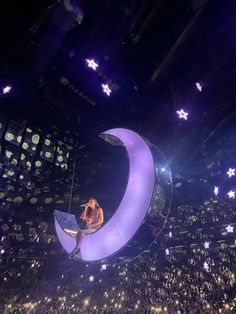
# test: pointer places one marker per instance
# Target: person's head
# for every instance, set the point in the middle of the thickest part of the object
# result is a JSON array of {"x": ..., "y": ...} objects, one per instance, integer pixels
[{"x": 93, "y": 203}]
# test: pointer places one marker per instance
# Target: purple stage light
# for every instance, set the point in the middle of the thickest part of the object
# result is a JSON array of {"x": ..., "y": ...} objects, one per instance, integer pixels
[
  {"x": 229, "y": 229},
  {"x": 182, "y": 114},
  {"x": 106, "y": 89},
  {"x": 231, "y": 172},
  {"x": 231, "y": 194},
  {"x": 199, "y": 86},
  {"x": 6, "y": 89},
  {"x": 92, "y": 64},
  {"x": 216, "y": 190}
]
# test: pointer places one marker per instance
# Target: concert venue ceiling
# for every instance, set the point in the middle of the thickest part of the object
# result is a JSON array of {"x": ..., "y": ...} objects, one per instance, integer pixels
[{"x": 151, "y": 54}]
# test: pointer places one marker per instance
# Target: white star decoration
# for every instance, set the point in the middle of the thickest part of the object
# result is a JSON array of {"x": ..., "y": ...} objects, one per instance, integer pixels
[
  {"x": 199, "y": 87},
  {"x": 106, "y": 89},
  {"x": 91, "y": 278},
  {"x": 231, "y": 194},
  {"x": 92, "y": 64},
  {"x": 229, "y": 229},
  {"x": 6, "y": 89},
  {"x": 216, "y": 190},
  {"x": 104, "y": 267},
  {"x": 231, "y": 172},
  {"x": 182, "y": 114},
  {"x": 206, "y": 245},
  {"x": 206, "y": 266}
]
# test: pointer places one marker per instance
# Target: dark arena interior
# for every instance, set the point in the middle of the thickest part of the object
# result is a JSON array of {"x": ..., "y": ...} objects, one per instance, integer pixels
[{"x": 72, "y": 69}]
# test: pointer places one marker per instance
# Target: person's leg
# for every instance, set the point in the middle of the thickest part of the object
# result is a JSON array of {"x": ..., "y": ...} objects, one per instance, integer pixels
[{"x": 79, "y": 237}]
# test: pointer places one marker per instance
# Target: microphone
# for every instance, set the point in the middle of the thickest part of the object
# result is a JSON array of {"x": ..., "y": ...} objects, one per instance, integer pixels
[{"x": 84, "y": 205}]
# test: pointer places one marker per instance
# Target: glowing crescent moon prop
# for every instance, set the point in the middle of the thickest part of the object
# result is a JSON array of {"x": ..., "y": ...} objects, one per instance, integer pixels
[{"x": 137, "y": 221}]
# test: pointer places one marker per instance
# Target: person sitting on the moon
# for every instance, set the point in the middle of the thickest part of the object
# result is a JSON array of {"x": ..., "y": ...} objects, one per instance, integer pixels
[{"x": 93, "y": 216}]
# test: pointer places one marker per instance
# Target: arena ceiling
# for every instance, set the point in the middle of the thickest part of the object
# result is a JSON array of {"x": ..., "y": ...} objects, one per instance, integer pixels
[{"x": 152, "y": 53}]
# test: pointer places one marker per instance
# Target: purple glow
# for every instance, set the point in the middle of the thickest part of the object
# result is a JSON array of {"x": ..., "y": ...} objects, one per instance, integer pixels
[
  {"x": 106, "y": 89},
  {"x": 68, "y": 242},
  {"x": 182, "y": 114},
  {"x": 231, "y": 194},
  {"x": 92, "y": 64},
  {"x": 229, "y": 229},
  {"x": 216, "y": 190},
  {"x": 6, "y": 89},
  {"x": 199, "y": 86},
  {"x": 135, "y": 203},
  {"x": 231, "y": 172},
  {"x": 125, "y": 222}
]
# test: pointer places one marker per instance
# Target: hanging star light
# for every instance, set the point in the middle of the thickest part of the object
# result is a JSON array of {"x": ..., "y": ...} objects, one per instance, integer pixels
[
  {"x": 182, "y": 114},
  {"x": 231, "y": 172},
  {"x": 106, "y": 89},
  {"x": 206, "y": 245},
  {"x": 216, "y": 190},
  {"x": 6, "y": 89},
  {"x": 92, "y": 64},
  {"x": 199, "y": 86},
  {"x": 206, "y": 266},
  {"x": 231, "y": 194},
  {"x": 229, "y": 229},
  {"x": 91, "y": 278},
  {"x": 104, "y": 267}
]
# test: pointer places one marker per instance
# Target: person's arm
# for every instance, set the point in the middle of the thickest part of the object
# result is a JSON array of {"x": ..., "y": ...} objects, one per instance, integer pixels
[
  {"x": 84, "y": 213},
  {"x": 99, "y": 221}
]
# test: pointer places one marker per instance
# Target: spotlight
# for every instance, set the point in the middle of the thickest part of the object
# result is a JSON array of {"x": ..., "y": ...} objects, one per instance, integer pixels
[
  {"x": 48, "y": 149},
  {"x": 31, "y": 141}
]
